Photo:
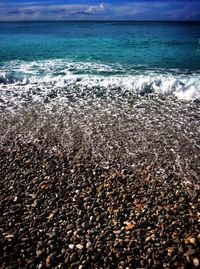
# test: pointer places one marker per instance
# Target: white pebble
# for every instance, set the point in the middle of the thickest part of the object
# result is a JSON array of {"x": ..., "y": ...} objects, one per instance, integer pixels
[
  {"x": 88, "y": 245},
  {"x": 79, "y": 246},
  {"x": 71, "y": 246}
]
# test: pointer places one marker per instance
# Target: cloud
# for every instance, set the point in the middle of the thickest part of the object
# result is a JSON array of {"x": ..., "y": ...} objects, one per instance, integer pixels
[
  {"x": 52, "y": 12},
  {"x": 96, "y": 9},
  {"x": 91, "y": 10},
  {"x": 13, "y": 12},
  {"x": 120, "y": 10},
  {"x": 81, "y": 13}
]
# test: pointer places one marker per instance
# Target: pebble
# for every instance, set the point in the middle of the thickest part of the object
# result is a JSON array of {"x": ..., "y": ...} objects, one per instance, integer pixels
[
  {"x": 193, "y": 241},
  {"x": 190, "y": 252},
  {"x": 62, "y": 206},
  {"x": 48, "y": 261},
  {"x": 71, "y": 246},
  {"x": 117, "y": 231},
  {"x": 130, "y": 227},
  {"x": 171, "y": 250},
  {"x": 73, "y": 257},
  {"x": 79, "y": 246},
  {"x": 88, "y": 245},
  {"x": 196, "y": 262},
  {"x": 92, "y": 218},
  {"x": 70, "y": 227},
  {"x": 40, "y": 266},
  {"x": 75, "y": 264},
  {"x": 9, "y": 236}
]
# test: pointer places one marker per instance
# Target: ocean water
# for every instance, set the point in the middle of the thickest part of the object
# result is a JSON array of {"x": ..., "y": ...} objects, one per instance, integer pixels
[{"x": 42, "y": 59}]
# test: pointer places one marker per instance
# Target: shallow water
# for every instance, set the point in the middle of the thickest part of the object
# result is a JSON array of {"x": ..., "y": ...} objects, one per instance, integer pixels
[
  {"x": 127, "y": 91},
  {"x": 99, "y": 122}
]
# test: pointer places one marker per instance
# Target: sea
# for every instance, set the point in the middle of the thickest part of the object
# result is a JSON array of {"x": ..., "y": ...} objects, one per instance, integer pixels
[
  {"x": 100, "y": 134},
  {"x": 38, "y": 59}
]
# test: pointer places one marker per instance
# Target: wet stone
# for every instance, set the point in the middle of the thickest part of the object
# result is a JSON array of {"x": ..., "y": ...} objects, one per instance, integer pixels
[
  {"x": 108, "y": 180},
  {"x": 88, "y": 245},
  {"x": 196, "y": 262},
  {"x": 79, "y": 246},
  {"x": 71, "y": 246},
  {"x": 73, "y": 257}
]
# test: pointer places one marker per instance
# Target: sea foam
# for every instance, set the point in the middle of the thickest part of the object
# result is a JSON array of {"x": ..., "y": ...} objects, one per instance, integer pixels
[{"x": 38, "y": 80}]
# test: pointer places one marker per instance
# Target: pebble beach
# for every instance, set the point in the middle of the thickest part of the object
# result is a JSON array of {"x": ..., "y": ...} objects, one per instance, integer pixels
[
  {"x": 110, "y": 183},
  {"x": 99, "y": 137}
]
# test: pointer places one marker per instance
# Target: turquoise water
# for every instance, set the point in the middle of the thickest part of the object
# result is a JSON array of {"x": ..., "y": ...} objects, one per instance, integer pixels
[
  {"x": 162, "y": 45},
  {"x": 163, "y": 56}
]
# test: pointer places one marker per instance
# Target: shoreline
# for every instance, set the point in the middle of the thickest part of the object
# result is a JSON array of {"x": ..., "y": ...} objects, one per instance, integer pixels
[{"x": 101, "y": 186}]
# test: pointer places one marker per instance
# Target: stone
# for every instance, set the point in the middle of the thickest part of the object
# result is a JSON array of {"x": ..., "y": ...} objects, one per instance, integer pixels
[
  {"x": 192, "y": 240},
  {"x": 190, "y": 252},
  {"x": 79, "y": 246},
  {"x": 71, "y": 246},
  {"x": 196, "y": 262},
  {"x": 88, "y": 245}
]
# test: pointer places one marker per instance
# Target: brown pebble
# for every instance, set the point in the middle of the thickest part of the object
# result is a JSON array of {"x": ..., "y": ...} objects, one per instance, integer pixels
[
  {"x": 50, "y": 216},
  {"x": 181, "y": 249},
  {"x": 196, "y": 262},
  {"x": 9, "y": 236},
  {"x": 48, "y": 261},
  {"x": 130, "y": 227},
  {"x": 70, "y": 227},
  {"x": 73, "y": 257},
  {"x": 190, "y": 252},
  {"x": 117, "y": 231},
  {"x": 193, "y": 240},
  {"x": 171, "y": 250}
]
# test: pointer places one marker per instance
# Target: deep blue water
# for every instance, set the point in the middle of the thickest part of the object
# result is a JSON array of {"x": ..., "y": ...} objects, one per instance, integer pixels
[{"x": 33, "y": 50}]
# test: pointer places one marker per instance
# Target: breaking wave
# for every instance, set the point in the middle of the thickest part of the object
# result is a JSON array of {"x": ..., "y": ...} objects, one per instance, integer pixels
[{"x": 19, "y": 76}]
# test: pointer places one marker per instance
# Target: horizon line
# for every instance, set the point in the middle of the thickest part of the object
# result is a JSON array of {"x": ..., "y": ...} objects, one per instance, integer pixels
[{"x": 182, "y": 20}]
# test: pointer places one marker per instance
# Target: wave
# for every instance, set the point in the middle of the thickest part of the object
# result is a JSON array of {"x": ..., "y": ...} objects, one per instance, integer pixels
[{"x": 98, "y": 77}]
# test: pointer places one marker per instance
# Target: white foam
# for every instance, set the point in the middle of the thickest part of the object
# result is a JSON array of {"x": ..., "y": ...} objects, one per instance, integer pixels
[{"x": 25, "y": 78}]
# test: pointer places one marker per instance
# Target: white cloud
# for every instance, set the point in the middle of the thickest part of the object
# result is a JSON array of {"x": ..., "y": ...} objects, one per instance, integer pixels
[
  {"x": 132, "y": 10},
  {"x": 95, "y": 9},
  {"x": 50, "y": 12}
]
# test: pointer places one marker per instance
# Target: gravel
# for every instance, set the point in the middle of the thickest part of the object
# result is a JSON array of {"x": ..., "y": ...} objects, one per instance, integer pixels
[{"x": 75, "y": 193}]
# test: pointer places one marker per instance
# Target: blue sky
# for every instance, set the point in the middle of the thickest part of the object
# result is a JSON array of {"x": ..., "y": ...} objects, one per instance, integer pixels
[{"x": 12, "y": 10}]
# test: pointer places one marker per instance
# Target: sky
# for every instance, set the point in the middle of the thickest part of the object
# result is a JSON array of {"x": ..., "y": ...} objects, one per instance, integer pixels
[{"x": 20, "y": 10}]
